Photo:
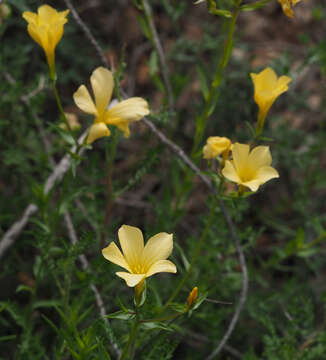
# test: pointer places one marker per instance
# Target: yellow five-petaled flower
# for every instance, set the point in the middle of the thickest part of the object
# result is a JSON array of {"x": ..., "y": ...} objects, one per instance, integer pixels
[
  {"x": 120, "y": 115},
  {"x": 46, "y": 28},
  {"x": 249, "y": 169},
  {"x": 140, "y": 261},
  {"x": 268, "y": 87}
]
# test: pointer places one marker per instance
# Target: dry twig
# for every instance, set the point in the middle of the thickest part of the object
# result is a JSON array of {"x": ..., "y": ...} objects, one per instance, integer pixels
[
  {"x": 158, "y": 46},
  {"x": 87, "y": 32}
]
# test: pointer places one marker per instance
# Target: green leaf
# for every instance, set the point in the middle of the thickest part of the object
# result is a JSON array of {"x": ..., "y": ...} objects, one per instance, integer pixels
[
  {"x": 203, "y": 82},
  {"x": 22, "y": 287},
  {"x": 153, "y": 63},
  {"x": 156, "y": 325},
  {"x": 45, "y": 304},
  {"x": 7, "y": 338},
  {"x": 121, "y": 315},
  {"x": 123, "y": 307},
  {"x": 144, "y": 26},
  {"x": 180, "y": 308},
  {"x": 254, "y": 6},
  {"x": 184, "y": 259}
]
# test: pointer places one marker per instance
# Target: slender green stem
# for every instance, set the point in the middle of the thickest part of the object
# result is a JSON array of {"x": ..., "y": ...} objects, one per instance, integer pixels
[
  {"x": 195, "y": 256},
  {"x": 213, "y": 93},
  {"x": 110, "y": 153},
  {"x": 62, "y": 113},
  {"x": 131, "y": 341}
]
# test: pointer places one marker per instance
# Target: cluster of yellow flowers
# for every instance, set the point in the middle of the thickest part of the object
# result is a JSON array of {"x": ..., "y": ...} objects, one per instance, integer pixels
[
  {"x": 46, "y": 28},
  {"x": 246, "y": 168},
  {"x": 250, "y": 168}
]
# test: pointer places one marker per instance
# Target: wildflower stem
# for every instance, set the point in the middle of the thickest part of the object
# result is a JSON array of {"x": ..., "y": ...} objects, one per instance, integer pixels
[
  {"x": 110, "y": 156},
  {"x": 195, "y": 256},
  {"x": 62, "y": 113},
  {"x": 213, "y": 94},
  {"x": 260, "y": 123},
  {"x": 131, "y": 341}
]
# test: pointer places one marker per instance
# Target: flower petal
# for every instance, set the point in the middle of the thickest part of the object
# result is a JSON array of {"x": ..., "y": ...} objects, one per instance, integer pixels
[
  {"x": 282, "y": 84},
  {"x": 124, "y": 127},
  {"x": 161, "y": 266},
  {"x": 30, "y": 17},
  {"x": 113, "y": 254},
  {"x": 253, "y": 185},
  {"x": 131, "y": 279},
  {"x": 260, "y": 156},
  {"x": 266, "y": 80},
  {"x": 129, "y": 110},
  {"x": 102, "y": 85},
  {"x": 84, "y": 101},
  {"x": 38, "y": 34},
  {"x": 55, "y": 33},
  {"x": 240, "y": 154},
  {"x": 97, "y": 131},
  {"x": 47, "y": 14},
  {"x": 158, "y": 247},
  {"x": 230, "y": 173},
  {"x": 132, "y": 244},
  {"x": 266, "y": 173}
]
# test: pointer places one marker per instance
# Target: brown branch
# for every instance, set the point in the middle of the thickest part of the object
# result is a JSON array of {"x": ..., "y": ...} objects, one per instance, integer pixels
[
  {"x": 86, "y": 267},
  {"x": 10, "y": 235},
  {"x": 87, "y": 32},
  {"x": 58, "y": 173},
  {"x": 158, "y": 46}
]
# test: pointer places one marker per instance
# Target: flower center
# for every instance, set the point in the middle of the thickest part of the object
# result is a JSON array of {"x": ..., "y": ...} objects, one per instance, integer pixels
[
  {"x": 247, "y": 174},
  {"x": 138, "y": 269}
]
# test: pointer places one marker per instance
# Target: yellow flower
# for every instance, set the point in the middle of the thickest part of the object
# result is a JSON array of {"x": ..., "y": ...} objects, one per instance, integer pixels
[
  {"x": 250, "y": 169},
  {"x": 120, "y": 115},
  {"x": 140, "y": 262},
  {"x": 267, "y": 89},
  {"x": 216, "y": 146},
  {"x": 46, "y": 28},
  {"x": 287, "y": 6}
]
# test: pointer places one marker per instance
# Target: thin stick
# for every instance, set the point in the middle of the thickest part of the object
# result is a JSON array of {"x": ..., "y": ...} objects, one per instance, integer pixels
[
  {"x": 87, "y": 32},
  {"x": 85, "y": 265},
  {"x": 16, "y": 228},
  {"x": 58, "y": 173},
  {"x": 158, "y": 46}
]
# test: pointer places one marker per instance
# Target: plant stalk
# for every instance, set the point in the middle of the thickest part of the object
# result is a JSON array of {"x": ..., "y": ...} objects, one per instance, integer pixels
[
  {"x": 213, "y": 93},
  {"x": 195, "y": 256}
]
